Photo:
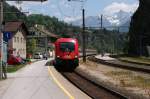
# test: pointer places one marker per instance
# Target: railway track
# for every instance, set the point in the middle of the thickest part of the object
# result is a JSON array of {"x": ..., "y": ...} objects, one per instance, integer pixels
[
  {"x": 98, "y": 91},
  {"x": 90, "y": 88},
  {"x": 95, "y": 91},
  {"x": 124, "y": 65}
]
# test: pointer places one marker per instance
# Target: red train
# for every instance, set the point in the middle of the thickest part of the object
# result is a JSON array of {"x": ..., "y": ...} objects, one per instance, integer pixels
[{"x": 66, "y": 52}]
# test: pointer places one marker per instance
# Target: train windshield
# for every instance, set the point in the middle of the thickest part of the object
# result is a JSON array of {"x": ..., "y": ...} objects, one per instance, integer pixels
[{"x": 67, "y": 46}]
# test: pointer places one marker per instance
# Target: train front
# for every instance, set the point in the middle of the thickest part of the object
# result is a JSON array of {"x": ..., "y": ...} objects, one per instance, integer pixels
[{"x": 66, "y": 52}]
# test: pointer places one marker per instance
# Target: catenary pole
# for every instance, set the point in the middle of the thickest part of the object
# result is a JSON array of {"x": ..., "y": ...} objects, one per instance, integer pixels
[
  {"x": 83, "y": 30},
  {"x": 101, "y": 21},
  {"x": 83, "y": 35}
]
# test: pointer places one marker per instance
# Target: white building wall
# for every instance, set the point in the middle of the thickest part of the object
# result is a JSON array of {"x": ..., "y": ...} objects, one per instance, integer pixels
[{"x": 19, "y": 44}]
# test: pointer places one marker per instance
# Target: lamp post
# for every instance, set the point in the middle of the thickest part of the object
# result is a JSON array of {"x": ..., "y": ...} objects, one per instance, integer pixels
[{"x": 83, "y": 31}]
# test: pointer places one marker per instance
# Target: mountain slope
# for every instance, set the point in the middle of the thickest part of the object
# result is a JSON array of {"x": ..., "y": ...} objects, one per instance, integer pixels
[
  {"x": 51, "y": 23},
  {"x": 120, "y": 18}
]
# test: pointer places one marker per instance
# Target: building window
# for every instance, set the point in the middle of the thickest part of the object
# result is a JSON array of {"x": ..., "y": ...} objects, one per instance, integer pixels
[
  {"x": 24, "y": 51},
  {"x": 21, "y": 40},
  {"x": 18, "y": 39},
  {"x": 14, "y": 39},
  {"x": 24, "y": 40},
  {"x": 20, "y": 51}
]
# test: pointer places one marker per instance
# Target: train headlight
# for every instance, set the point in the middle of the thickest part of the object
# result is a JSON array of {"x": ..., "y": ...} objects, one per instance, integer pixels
[
  {"x": 58, "y": 56},
  {"x": 76, "y": 56}
]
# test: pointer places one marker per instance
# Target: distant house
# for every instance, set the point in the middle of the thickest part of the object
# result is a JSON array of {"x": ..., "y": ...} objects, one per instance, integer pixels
[
  {"x": 17, "y": 43},
  {"x": 44, "y": 38}
]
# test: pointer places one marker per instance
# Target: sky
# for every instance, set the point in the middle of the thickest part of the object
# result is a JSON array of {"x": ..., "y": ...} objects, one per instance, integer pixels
[{"x": 70, "y": 11}]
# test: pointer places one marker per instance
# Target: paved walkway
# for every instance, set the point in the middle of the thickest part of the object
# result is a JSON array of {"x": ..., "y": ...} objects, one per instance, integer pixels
[{"x": 31, "y": 82}]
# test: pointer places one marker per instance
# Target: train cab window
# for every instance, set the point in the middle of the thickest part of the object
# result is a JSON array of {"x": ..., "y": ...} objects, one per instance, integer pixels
[{"x": 67, "y": 46}]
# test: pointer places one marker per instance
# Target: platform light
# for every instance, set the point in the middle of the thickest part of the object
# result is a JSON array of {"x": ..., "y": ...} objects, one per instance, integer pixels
[
  {"x": 73, "y": 41},
  {"x": 76, "y": 56}
]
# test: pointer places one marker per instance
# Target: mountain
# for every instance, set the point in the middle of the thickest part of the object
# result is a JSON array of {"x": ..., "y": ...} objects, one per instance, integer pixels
[
  {"x": 52, "y": 24},
  {"x": 16, "y": 15},
  {"x": 125, "y": 27},
  {"x": 91, "y": 21},
  {"x": 120, "y": 18}
]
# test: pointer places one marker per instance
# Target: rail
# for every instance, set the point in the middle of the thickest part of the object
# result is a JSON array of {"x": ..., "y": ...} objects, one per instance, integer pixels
[
  {"x": 124, "y": 65},
  {"x": 95, "y": 91}
]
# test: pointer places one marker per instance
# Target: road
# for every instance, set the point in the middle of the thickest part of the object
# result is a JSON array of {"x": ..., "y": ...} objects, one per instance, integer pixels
[{"x": 34, "y": 82}]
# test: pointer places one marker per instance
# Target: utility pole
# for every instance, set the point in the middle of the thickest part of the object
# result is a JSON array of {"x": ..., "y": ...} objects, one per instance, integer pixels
[
  {"x": 46, "y": 42},
  {"x": 1, "y": 38},
  {"x": 101, "y": 30},
  {"x": 83, "y": 36},
  {"x": 101, "y": 21},
  {"x": 83, "y": 30}
]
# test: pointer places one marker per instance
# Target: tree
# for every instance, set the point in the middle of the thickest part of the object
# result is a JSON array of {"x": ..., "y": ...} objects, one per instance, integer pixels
[{"x": 31, "y": 46}]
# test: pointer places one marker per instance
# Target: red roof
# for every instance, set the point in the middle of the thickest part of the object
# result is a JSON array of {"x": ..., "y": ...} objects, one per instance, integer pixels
[{"x": 14, "y": 26}]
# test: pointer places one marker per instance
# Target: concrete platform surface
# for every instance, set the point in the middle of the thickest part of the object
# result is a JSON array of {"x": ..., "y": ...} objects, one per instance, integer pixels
[{"x": 35, "y": 82}]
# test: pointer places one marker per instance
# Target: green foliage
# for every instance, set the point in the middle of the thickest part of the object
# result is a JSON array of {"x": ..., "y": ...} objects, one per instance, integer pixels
[
  {"x": 11, "y": 13},
  {"x": 52, "y": 24},
  {"x": 31, "y": 46},
  {"x": 14, "y": 68},
  {"x": 108, "y": 41},
  {"x": 102, "y": 40}
]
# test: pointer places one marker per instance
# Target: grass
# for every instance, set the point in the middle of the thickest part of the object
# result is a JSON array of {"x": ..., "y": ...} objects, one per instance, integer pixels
[
  {"x": 14, "y": 68},
  {"x": 88, "y": 63},
  {"x": 141, "y": 81},
  {"x": 119, "y": 73},
  {"x": 129, "y": 79},
  {"x": 142, "y": 60}
]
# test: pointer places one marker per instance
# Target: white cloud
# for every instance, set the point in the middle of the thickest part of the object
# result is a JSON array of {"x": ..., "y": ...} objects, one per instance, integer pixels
[
  {"x": 57, "y": 8},
  {"x": 27, "y": 3},
  {"x": 46, "y": 8},
  {"x": 71, "y": 19},
  {"x": 64, "y": 3},
  {"x": 116, "y": 7},
  {"x": 57, "y": 14}
]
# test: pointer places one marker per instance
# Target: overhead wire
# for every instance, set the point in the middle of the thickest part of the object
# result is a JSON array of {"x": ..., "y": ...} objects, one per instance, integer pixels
[
  {"x": 71, "y": 15},
  {"x": 61, "y": 12}
]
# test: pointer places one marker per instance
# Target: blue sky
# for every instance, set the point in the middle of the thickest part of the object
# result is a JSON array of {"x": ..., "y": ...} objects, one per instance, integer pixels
[{"x": 69, "y": 11}]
